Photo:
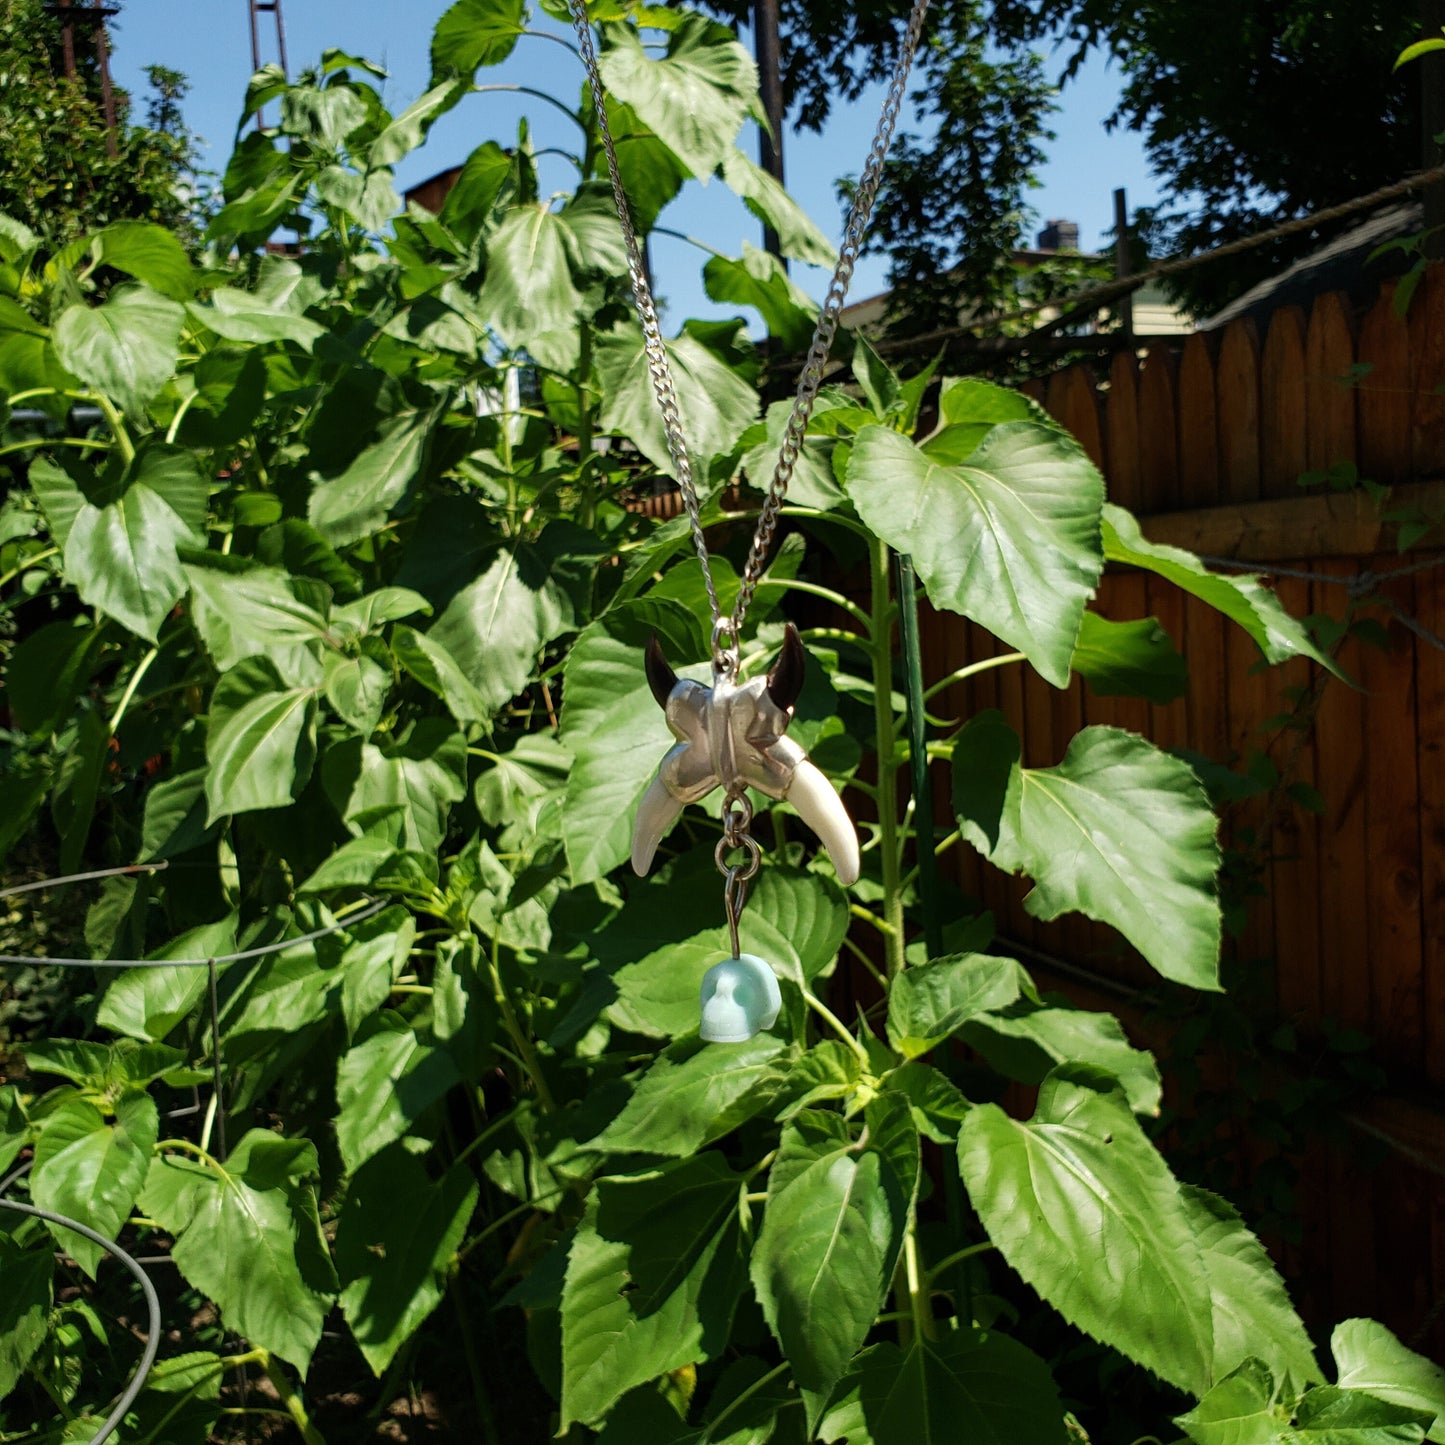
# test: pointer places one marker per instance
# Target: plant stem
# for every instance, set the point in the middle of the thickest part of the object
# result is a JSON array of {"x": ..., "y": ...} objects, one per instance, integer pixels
[
  {"x": 27, "y": 564},
  {"x": 81, "y": 442},
  {"x": 957, "y": 1257},
  {"x": 791, "y": 584},
  {"x": 291, "y": 1399},
  {"x": 836, "y": 1024},
  {"x": 880, "y": 628},
  {"x": 116, "y": 423},
  {"x": 964, "y": 673},
  {"x": 143, "y": 667},
  {"x": 939, "y": 850},
  {"x": 526, "y": 1054},
  {"x": 921, "y": 797},
  {"x": 584, "y": 429},
  {"x": 917, "y": 1286}
]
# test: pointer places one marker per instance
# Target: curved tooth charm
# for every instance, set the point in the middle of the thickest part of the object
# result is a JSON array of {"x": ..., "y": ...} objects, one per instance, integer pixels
[{"x": 731, "y": 735}]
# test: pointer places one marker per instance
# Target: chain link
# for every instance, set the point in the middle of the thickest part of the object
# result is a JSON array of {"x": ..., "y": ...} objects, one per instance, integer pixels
[{"x": 827, "y": 328}]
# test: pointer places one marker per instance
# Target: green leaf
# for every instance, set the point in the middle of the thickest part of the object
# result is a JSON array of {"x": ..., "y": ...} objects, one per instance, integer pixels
[
  {"x": 1242, "y": 597},
  {"x": 697, "y": 95},
  {"x": 969, "y": 409},
  {"x": 126, "y": 347},
  {"x": 122, "y": 557},
  {"x": 929, "y": 1004},
  {"x": 91, "y": 1171},
  {"x": 614, "y": 727},
  {"x": 831, "y": 1235},
  {"x": 1119, "y": 830},
  {"x": 384, "y": 1084},
  {"x": 437, "y": 671},
  {"x": 249, "y": 614},
  {"x": 348, "y": 507},
  {"x": 717, "y": 404},
  {"x": 151, "y": 254},
  {"x": 47, "y": 671},
  {"x": 261, "y": 742},
  {"x": 473, "y": 33},
  {"x": 937, "y": 1105},
  {"x": 395, "y": 1242},
  {"x": 799, "y": 238},
  {"x": 972, "y": 1385},
  {"x": 1238, "y": 1411},
  {"x": 1129, "y": 659},
  {"x": 693, "y": 1094},
  {"x": 1244, "y": 1410},
  {"x": 1026, "y": 1040},
  {"x": 1419, "y": 48},
  {"x": 1253, "y": 1317},
  {"x": 652, "y": 175},
  {"x": 1010, "y": 540},
  {"x": 814, "y": 482},
  {"x": 1371, "y": 1359},
  {"x": 24, "y": 1307},
  {"x": 495, "y": 628},
  {"x": 410, "y": 128},
  {"x": 759, "y": 280},
  {"x": 147, "y": 1003},
  {"x": 529, "y": 289},
  {"x": 653, "y": 1277},
  {"x": 247, "y": 1235},
  {"x": 1081, "y": 1204},
  {"x": 256, "y": 317},
  {"x": 482, "y": 184},
  {"x": 357, "y": 689},
  {"x": 414, "y": 780}
]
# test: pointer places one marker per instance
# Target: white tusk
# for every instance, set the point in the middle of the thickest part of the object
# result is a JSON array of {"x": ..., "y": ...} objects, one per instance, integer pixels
[
  {"x": 822, "y": 810},
  {"x": 655, "y": 815}
]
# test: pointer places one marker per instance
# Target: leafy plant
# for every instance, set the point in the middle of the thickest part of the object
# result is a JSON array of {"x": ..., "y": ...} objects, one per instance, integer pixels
[{"x": 340, "y": 592}]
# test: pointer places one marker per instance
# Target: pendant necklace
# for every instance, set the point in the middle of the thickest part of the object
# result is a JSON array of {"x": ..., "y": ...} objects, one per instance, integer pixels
[{"x": 731, "y": 735}]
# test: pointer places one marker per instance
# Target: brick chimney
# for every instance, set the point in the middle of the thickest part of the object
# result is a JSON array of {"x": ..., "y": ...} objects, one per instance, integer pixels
[{"x": 1059, "y": 236}]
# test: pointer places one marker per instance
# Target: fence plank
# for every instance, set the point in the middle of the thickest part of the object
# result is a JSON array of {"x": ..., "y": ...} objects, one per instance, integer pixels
[
  {"x": 1392, "y": 837},
  {"x": 1294, "y": 872},
  {"x": 1121, "y": 432},
  {"x": 1282, "y": 454},
  {"x": 1159, "y": 438},
  {"x": 1430, "y": 707},
  {"x": 1237, "y": 400},
  {"x": 1340, "y": 746},
  {"x": 1077, "y": 407},
  {"x": 1383, "y": 392},
  {"x": 1330, "y": 434},
  {"x": 1427, "y": 374},
  {"x": 1198, "y": 426}
]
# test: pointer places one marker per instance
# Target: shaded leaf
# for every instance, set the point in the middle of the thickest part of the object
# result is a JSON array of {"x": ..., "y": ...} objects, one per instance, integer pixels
[{"x": 126, "y": 347}]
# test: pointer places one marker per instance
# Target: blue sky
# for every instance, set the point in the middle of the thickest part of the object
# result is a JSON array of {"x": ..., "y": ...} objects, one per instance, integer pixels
[{"x": 210, "y": 42}]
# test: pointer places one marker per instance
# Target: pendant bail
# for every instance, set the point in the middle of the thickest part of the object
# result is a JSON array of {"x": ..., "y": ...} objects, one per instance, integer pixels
[{"x": 726, "y": 652}]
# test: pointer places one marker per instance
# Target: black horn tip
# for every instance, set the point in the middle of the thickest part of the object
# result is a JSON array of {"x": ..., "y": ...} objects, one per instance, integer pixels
[
  {"x": 660, "y": 676},
  {"x": 785, "y": 681}
]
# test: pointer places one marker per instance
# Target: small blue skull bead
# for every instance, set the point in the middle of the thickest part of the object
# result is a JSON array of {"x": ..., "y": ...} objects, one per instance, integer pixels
[{"x": 740, "y": 998}]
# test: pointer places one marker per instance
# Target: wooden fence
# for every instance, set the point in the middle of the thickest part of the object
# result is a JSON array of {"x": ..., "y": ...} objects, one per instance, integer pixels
[{"x": 1206, "y": 441}]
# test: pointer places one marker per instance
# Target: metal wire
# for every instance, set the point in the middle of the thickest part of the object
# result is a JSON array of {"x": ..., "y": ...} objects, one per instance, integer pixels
[
  {"x": 812, "y": 374},
  {"x": 153, "y": 1308},
  {"x": 279, "y": 947}
]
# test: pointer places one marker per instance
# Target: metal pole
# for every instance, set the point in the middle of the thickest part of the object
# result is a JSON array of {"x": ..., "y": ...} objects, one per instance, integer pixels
[
  {"x": 1122, "y": 265},
  {"x": 768, "y": 44}
]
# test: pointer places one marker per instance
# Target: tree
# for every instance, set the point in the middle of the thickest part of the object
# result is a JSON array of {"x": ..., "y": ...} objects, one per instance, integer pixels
[
  {"x": 1251, "y": 112},
  {"x": 57, "y": 172}
]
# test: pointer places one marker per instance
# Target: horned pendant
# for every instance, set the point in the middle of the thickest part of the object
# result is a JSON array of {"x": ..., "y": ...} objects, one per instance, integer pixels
[{"x": 730, "y": 735}]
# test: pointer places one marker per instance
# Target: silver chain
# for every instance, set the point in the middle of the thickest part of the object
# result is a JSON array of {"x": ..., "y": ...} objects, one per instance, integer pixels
[{"x": 726, "y": 631}]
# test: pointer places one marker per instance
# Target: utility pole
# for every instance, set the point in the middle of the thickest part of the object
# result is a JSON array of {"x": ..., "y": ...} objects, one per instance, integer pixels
[
  {"x": 1123, "y": 262},
  {"x": 257, "y": 8},
  {"x": 768, "y": 45}
]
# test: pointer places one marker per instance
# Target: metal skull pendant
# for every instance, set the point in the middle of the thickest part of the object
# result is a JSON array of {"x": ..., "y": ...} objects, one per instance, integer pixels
[{"x": 730, "y": 736}]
